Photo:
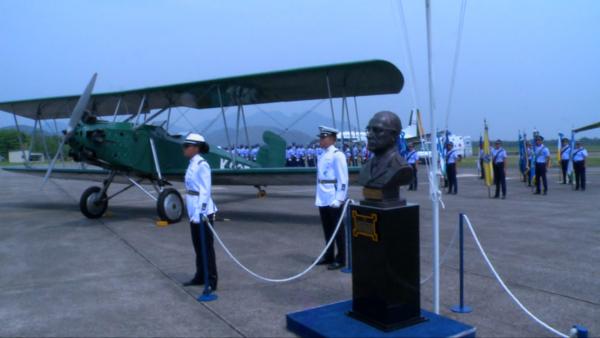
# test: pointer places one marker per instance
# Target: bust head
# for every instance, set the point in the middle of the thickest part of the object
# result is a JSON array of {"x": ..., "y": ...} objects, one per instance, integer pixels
[
  {"x": 382, "y": 132},
  {"x": 384, "y": 173}
]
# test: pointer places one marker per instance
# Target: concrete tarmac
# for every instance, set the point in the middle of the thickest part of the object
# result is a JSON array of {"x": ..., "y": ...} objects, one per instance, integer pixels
[{"x": 64, "y": 275}]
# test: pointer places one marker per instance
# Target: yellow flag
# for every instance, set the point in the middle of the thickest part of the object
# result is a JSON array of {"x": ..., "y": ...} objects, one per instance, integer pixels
[
  {"x": 487, "y": 162},
  {"x": 420, "y": 129}
]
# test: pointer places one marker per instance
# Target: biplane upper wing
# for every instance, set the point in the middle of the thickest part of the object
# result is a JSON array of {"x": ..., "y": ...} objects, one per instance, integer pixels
[
  {"x": 347, "y": 79},
  {"x": 588, "y": 127}
]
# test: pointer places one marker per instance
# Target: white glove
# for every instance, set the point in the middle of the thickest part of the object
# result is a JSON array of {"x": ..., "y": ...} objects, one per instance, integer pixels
[{"x": 335, "y": 204}]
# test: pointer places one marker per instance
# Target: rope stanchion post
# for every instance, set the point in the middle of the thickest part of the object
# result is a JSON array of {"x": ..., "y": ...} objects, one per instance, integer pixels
[
  {"x": 207, "y": 294},
  {"x": 579, "y": 331},
  {"x": 461, "y": 307},
  {"x": 348, "y": 229}
]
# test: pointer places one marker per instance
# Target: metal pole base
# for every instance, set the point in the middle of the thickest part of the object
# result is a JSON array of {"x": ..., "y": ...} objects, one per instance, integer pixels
[
  {"x": 346, "y": 270},
  {"x": 579, "y": 331},
  {"x": 207, "y": 297},
  {"x": 461, "y": 309}
]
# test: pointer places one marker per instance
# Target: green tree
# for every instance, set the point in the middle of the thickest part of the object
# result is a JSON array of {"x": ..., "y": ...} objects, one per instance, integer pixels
[{"x": 9, "y": 141}]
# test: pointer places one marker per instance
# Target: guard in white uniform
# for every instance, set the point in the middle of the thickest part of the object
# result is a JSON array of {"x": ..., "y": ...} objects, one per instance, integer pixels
[
  {"x": 499, "y": 164},
  {"x": 331, "y": 192},
  {"x": 199, "y": 203}
]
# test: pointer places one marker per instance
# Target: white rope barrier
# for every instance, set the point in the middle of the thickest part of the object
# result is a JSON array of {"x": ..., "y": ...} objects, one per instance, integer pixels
[
  {"x": 514, "y": 298},
  {"x": 281, "y": 280}
]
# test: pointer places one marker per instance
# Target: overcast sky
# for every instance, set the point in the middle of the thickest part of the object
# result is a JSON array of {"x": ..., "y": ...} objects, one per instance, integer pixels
[{"x": 523, "y": 63}]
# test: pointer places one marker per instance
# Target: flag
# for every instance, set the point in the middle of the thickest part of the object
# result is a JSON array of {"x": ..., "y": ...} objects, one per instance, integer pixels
[
  {"x": 479, "y": 168},
  {"x": 559, "y": 147},
  {"x": 420, "y": 130},
  {"x": 522, "y": 155},
  {"x": 402, "y": 146},
  {"x": 487, "y": 160},
  {"x": 442, "y": 151}
]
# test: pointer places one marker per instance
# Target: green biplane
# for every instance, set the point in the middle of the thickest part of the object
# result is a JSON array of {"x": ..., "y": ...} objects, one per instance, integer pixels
[{"x": 137, "y": 152}]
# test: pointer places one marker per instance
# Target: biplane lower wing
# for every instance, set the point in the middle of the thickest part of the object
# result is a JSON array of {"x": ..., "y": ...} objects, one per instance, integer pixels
[{"x": 240, "y": 177}]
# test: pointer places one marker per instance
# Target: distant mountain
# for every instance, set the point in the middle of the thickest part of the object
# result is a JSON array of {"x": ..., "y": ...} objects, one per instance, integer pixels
[
  {"x": 219, "y": 137},
  {"x": 299, "y": 128}
]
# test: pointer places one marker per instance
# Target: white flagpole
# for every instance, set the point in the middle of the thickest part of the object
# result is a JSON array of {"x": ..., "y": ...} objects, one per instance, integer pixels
[{"x": 433, "y": 188}]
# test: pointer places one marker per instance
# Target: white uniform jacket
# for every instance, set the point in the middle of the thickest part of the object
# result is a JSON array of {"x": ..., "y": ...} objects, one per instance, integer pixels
[
  {"x": 332, "y": 177},
  {"x": 197, "y": 185}
]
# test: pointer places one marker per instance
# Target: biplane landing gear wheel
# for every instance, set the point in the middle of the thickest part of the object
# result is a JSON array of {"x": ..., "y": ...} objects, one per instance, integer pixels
[
  {"x": 170, "y": 205},
  {"x": 91, "y": 204}
]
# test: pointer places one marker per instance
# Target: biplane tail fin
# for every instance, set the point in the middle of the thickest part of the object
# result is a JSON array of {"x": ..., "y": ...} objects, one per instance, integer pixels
[{"x": 272, "y": 153}]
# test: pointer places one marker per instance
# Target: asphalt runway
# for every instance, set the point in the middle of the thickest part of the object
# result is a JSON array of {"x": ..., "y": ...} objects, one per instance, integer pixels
[{"x": 64, "y": 275}]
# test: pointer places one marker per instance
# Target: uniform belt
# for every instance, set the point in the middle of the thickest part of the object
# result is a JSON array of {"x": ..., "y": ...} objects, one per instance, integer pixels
[
  {"x": 192, "y": 192},
  {"x": 328, "y": 181}
]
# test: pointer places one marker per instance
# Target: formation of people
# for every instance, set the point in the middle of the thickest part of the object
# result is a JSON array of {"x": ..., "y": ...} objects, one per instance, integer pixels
[
  {"x": 300, "y": 156},
  {"x": 538, "y": 160},
  {"x": 246, "y": 152}
]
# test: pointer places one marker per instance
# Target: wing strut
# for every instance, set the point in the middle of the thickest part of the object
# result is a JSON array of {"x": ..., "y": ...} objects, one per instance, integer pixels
[
  {"x": 224, "y": 118},
  {"x": 357, "y": 120},
  {"x": 330, "y": 100}
]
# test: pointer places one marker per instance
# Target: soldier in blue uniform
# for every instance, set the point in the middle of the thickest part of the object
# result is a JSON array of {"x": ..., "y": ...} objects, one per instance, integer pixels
[
  {"x": 542, "y": 159},
  {"x": 579, "y": 156},
  {"x": 412, "y": 158},
  {"x": 331, "y": 192},
  {"x": 452, "y": 158},
  {"x": 288, "y": 156},
  {"x": 355, "y": 155},
  {"x": 364, "y": 154},
  {"x": 199, "y": 204},
  {"x": 499, "y": 156},
  {"x": 301, "y": 156},
  {"x": 254, "y": 152},
  {"x": 565, "y": 155},
  {"x": 311, "y": 154}
]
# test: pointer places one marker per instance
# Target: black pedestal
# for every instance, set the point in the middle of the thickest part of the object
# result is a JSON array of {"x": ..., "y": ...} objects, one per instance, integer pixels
[{"x": 385, "y": 266}]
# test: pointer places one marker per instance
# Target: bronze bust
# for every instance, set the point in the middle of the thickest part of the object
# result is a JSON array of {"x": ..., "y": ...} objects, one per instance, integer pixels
[{"x": 382, "y": 176}]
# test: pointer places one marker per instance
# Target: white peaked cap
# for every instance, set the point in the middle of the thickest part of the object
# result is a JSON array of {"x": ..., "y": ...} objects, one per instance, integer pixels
[{"x": 194, "y": 138}]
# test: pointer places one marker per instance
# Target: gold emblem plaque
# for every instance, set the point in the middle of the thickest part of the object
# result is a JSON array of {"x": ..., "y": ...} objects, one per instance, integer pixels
[{"x": 364, "y": 225}]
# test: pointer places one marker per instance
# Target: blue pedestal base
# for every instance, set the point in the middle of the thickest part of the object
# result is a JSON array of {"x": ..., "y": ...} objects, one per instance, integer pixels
[
  {"x": 461, "y": 309},
  {"x": 208, "y": 297},
  {"x": 332, "y": 321}
]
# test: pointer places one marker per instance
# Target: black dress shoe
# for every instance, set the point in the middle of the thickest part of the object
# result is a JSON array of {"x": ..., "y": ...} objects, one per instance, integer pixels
[
  {"x": 324, "y": 261},
  {"x": 193, "y": 281},
  {"x": 335, "y": 266}
]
